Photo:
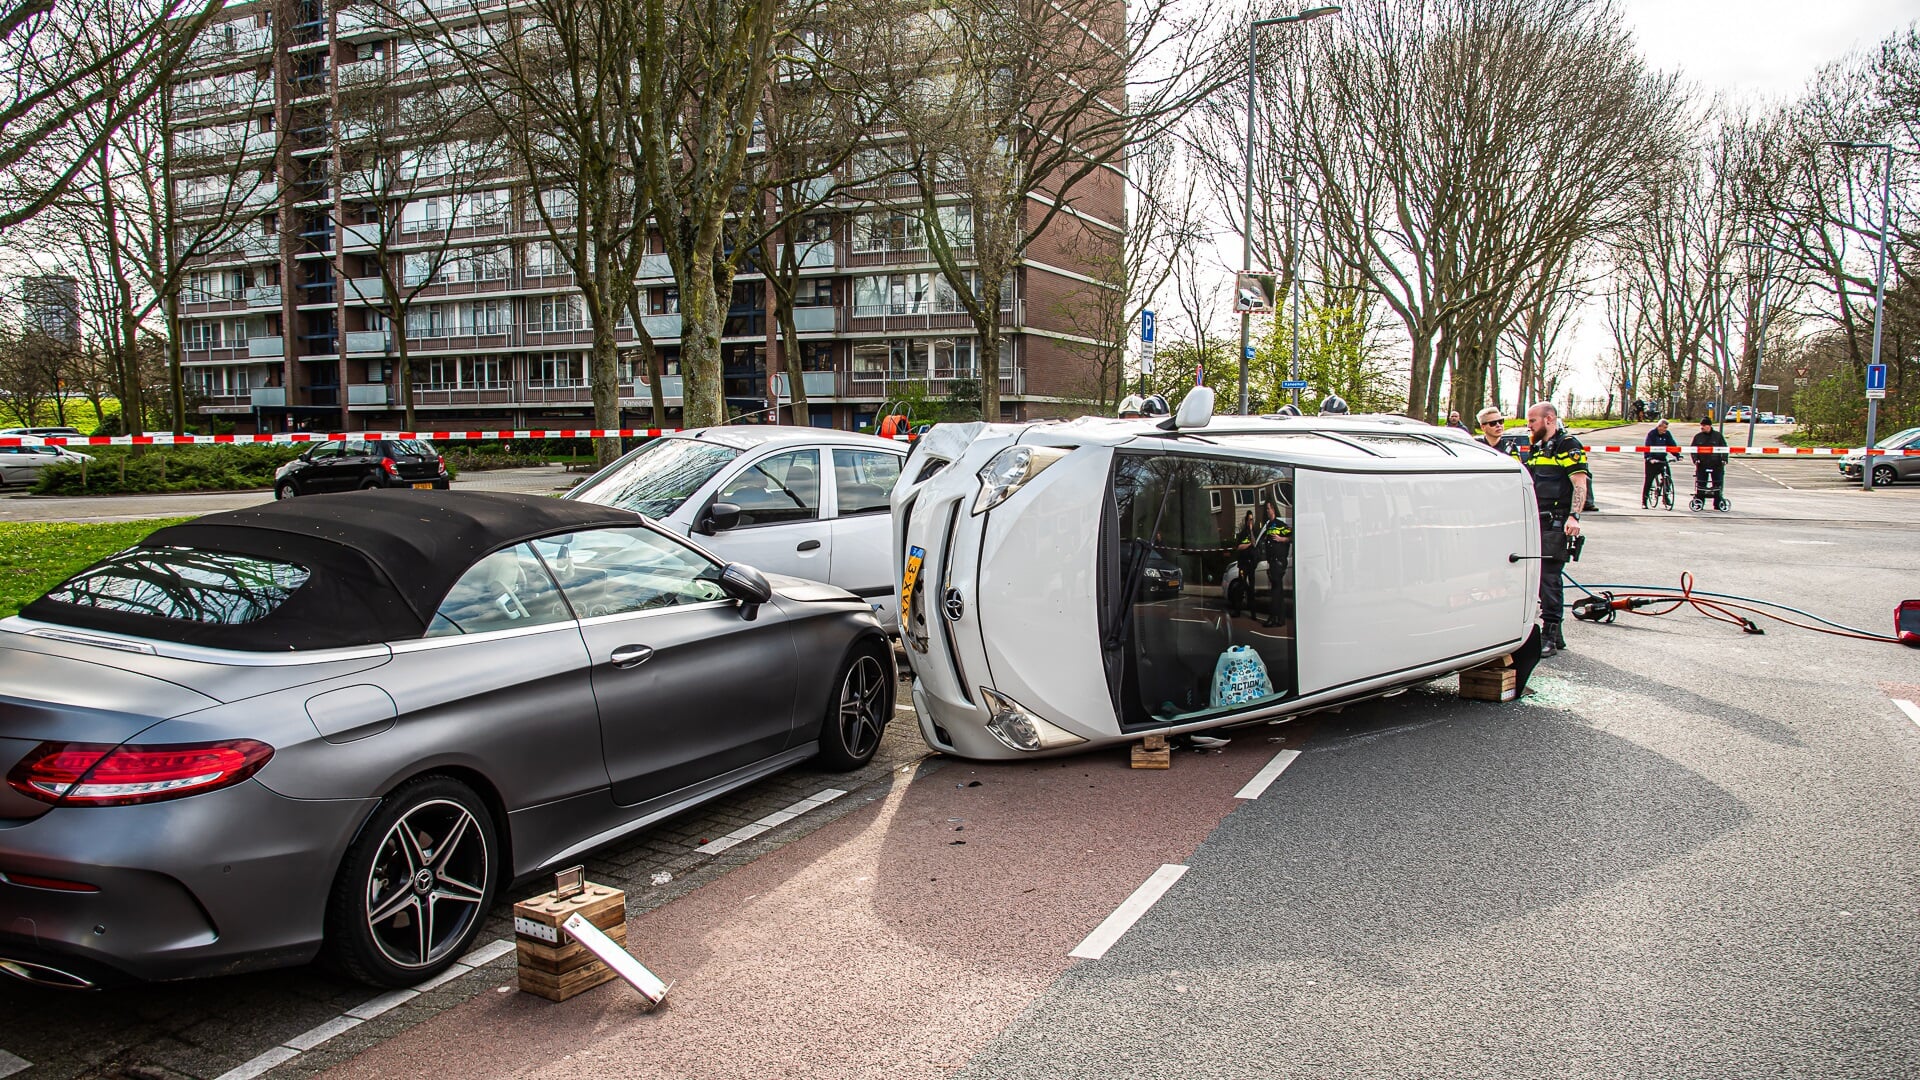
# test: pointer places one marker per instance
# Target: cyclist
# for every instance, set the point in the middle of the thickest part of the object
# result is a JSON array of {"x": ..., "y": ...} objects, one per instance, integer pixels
[{"x": 1657, "y": 459}]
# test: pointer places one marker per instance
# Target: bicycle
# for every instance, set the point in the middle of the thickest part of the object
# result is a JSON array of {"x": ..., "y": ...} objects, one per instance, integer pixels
[{"x": 1661, "y": 492}]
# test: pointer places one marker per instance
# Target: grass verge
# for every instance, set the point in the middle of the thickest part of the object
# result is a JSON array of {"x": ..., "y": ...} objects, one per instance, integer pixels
[{"x": 37, "y": 555}]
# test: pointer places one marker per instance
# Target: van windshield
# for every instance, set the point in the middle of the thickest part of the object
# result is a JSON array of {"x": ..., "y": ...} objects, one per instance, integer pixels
[
  {"x": 1197, "y": 604},
  {"x": 655, "y": 479}
]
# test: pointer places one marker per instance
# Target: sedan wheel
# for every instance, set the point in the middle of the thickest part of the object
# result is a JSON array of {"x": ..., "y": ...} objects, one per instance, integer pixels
[
  {"x": 285, "y": 491},
  {"x": 862, "y": 706},
  {"x": 415, "y": 887},
  {"x": 1883, "y": 476}
]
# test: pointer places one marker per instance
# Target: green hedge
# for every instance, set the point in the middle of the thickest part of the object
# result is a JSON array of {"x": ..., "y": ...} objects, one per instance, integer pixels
[
  {"x": 120, "y": 470},
  {"x": 37, "y": 555}
]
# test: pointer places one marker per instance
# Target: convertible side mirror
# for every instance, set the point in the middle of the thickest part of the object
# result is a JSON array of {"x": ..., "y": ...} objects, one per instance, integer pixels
[
  {"x": 719, "y": 517},
  {"x": 745, "y": 584}
]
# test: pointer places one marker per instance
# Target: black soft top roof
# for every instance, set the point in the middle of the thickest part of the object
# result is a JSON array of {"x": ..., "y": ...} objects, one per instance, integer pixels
[{"x": 380, "y": 562}]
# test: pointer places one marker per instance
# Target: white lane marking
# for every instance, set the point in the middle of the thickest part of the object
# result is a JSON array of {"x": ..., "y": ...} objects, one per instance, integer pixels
[
  {"x": 260, "y": 1064},
  {"x": 779, "y": 817},
  {"x": 1103, "y": 937},
  {"x": 1908, "y": 707},
  {"x": 444, "y": 977},
  {"x": 487, "y": 954},
  {"x": 11, "y": 1063},
  {"x": 1810, "y": 543},
  {"x": 1257, "y": 786},
  {"x": 367, "y": 1010},
  {"x": 313, "y": 1037}
]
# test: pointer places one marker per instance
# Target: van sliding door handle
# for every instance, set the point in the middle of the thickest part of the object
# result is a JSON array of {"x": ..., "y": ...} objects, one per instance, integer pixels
[
  {"x": 808, "y": 545},
  {"x": 627, "y": 656}
]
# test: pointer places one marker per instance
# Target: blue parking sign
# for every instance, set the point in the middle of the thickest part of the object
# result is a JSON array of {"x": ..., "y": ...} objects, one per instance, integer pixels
[{"x": 1146, "y": 326}]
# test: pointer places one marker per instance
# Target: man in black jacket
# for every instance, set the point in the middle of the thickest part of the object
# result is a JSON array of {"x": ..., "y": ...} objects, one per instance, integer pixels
[
  {"x": 1560, "y": 476},
  {"x": 1657, "y": 459},
  {"x": 1709, "y": 469}
]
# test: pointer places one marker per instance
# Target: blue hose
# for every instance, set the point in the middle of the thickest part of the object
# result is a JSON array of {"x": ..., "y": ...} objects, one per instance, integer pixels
[{"x": 1723, "y": 596}]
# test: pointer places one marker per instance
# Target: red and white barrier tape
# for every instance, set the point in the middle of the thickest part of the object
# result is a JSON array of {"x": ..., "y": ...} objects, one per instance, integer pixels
[{"x": 627, "y": 433}]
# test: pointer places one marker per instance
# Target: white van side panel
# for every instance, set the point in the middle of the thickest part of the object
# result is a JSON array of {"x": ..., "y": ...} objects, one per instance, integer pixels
[
  {"x": 1039, "y": 564},
  {"x": 1372, "y": 553}
]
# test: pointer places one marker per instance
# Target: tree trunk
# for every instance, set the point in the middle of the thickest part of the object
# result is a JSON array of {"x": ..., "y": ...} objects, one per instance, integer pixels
[
  {"x": 1419, "y": 371},
  {"x": 176, "y": 380},
  {"x": 702, "y": 317},
  {"x": 605, "y": 381},
  {"x": 406, "y": 373}
]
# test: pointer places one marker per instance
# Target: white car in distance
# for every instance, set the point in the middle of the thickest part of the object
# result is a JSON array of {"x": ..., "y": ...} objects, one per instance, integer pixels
[
  {"x": 809, "y": 502},
  {"x": 1032, "y": 629}
]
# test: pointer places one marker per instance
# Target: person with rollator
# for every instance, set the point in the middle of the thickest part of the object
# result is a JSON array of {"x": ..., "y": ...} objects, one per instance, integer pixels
[{"x": 1709, "y": 468}]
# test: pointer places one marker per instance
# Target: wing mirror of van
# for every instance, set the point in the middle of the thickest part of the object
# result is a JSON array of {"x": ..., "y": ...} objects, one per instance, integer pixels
[
  {"x": 719, "y": 517},
  {"x": 745, "y": 584}
]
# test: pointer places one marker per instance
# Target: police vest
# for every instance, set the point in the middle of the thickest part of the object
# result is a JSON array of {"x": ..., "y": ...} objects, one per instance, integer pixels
[{"x": 1554, "y": 464}]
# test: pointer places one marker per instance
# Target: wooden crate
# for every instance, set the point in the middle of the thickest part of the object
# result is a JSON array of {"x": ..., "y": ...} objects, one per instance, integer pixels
[
  {"x": 1152, "y": 752},
  {"x": 1493, "y": 681},
  {"x": 551, "y": 964}
]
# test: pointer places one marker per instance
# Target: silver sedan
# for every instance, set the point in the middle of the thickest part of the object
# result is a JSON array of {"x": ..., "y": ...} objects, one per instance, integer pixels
[{"x": 349, "y": 722}]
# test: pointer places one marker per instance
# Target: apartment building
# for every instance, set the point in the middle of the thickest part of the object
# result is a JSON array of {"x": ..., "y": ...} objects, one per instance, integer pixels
[{"x": 284, "y": 325}]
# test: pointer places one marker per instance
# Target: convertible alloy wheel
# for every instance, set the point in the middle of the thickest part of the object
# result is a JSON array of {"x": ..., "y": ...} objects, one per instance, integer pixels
[
  {"x": 427, "y": 884},
  {"x": 414, "y": 889},
  {"x": 863, "y": 706}
]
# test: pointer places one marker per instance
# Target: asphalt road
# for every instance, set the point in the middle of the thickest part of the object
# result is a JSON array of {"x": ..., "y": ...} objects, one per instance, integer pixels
[
  {"x": 18, "y": 506},
  {"x": 1691, "y": 853}
]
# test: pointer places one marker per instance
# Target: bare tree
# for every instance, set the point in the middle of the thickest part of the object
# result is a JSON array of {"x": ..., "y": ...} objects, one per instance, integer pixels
[
  {"x": 1460, "y": 147},
  {"x": 71, "y": 73},
  {"x": 1024, "y": 110}
]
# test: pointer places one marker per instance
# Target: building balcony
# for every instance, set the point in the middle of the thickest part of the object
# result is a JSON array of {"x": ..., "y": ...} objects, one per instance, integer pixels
[
  {"x": 227, "y": 42},
  {"x": 817, "y": 253},
  {"x": 369, "y": 343},
  {"x": 360, "y": 72},
  {"x": 360, "y": 236},
  {"x": 263, "y": 296},
  {"x": 817, "y": 384},
  {"x": 365, "y": 290},
  {"x": 662, "y": 327},
  {"x": 266, "y": 348},
  {"x": 814, "y": 320},
  {"x": 655, "y": 266},
  {"x": 366, "y": 393},
  {"x": 269, "y": 397}
]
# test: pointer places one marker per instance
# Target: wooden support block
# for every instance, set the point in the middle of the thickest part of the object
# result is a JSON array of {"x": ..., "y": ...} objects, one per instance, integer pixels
[
  {"x": 1152, "y": 752},
  {"x": 561, "y": 987},
  {"x": 551, "y": 964},
  {"x": 1490, "y": 684}
]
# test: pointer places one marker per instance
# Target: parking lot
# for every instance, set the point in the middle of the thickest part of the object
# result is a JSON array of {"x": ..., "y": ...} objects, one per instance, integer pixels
[{"x": 1691, "y": 853}]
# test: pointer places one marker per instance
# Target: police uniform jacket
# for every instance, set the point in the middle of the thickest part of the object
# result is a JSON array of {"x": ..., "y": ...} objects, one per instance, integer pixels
[{"x": 1554, "y": 464}]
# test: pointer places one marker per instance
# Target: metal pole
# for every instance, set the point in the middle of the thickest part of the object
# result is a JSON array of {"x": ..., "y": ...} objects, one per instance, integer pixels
[
  {"x": 1246, "y": 231},
  {"x": 1293, "y": 246},
  {"x": 1879, "y": 310}
]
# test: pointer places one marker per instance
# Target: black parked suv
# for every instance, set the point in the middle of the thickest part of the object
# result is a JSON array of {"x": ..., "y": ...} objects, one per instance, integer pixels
[{"x": 352, "y": 464}]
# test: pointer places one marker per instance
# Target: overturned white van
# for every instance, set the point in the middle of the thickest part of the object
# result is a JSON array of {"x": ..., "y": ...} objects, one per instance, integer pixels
[{"x": 1064, "y": 585}]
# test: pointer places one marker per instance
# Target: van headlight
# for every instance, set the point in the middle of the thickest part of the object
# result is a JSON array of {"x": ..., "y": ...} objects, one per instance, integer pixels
[
  {"x": 1013, "y": 725},
  {"x": 1010, "y": 470}
]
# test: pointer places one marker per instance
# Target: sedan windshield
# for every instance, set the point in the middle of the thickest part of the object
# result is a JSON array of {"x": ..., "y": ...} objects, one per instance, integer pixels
[{"x": 655, "y": 479}]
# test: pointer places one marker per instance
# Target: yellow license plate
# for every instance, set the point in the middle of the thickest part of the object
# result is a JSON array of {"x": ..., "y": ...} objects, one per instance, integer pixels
[
  {"x": 424, "y": 487},
  {"x": 915, "y": 556}
]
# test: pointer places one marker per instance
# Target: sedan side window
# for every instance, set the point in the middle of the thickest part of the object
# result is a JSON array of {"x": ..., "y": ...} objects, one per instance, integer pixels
[
  {"x": 779, "y": 489},
  {"x": 863, "y": 480},
  {"x": 506, "y": 590},
  {"x": 615, "y": 571}
]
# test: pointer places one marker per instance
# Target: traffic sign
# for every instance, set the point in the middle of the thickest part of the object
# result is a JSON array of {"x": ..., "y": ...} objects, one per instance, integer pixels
[
  {"x": 1146, "y": 326},
  {"x": 1249, "y": 352},
  {"x": 1294, "y": 384},
  {"x": 1876, "y": 380},
  {"x": 1764, "y": 386}
]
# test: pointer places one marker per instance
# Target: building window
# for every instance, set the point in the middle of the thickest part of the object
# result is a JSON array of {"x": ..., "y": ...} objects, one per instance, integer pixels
[
  {"x": 430, "y": 321},
  {"x": 554, "y": 313},
  {"x": 816, "y": 356},
  {"x": 813, "y": 292},
  {"x": 544, "y": 260},
  {"x": 550, "y": 370},
  {"x": 201, "y": 335},
  {"x": 484, "y": 317}
]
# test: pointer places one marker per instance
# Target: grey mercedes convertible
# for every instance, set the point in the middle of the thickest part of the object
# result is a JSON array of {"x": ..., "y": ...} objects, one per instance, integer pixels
[{"x": 348, "y": 722}]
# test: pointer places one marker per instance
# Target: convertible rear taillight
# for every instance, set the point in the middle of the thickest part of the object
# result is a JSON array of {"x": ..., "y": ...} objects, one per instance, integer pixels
[
  {"x": 91, "y": 774},
  {"x": 387, "y": 464}
]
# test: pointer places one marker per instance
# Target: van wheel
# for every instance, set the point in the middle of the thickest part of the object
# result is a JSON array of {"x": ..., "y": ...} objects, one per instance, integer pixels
[
  {"x": 414, "y": 889},
  {"x": 859, "y": 710}
]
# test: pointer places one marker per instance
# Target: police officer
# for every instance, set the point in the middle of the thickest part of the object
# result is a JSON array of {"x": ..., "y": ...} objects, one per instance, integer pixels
[
  {"x": 1559, "y": 466},
  {"x": 1276, "y": 543}
]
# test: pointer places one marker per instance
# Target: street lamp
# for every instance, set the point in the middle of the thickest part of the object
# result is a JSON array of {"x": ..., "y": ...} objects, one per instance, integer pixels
[
  {"x": 1246, "y": 257},
  {"x": 1879, "y": 292}
]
